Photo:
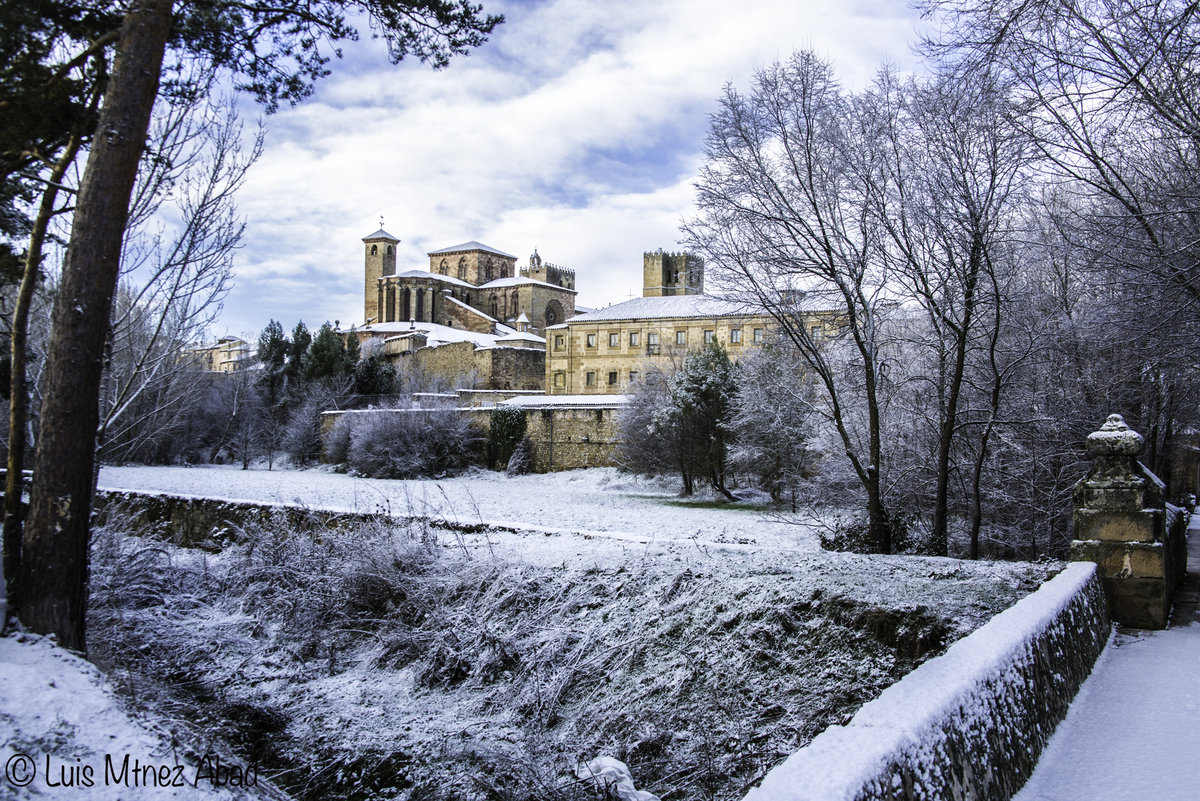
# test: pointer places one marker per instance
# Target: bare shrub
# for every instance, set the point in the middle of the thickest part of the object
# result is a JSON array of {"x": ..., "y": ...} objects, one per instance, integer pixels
[{"x": 412, "y": 443}]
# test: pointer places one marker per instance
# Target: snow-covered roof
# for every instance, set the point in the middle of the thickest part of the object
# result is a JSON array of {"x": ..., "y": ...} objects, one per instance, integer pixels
[
  {"x": 567, "y": 401},
  {"x": 434, "y": 334},
  {"x": 417, "y": 272},
  {"x": 522, "y": 337},
  {"x": 466, "y": 247},
  {"x": 519, "y": 280},
  {"x": 472, "y": 309},
  {"x": 668, "y": 306},
  {"x": 381, "y": 234}
]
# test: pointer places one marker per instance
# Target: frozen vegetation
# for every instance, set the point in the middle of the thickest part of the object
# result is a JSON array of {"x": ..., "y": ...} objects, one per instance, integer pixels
[{"x": 697, "y": 643}]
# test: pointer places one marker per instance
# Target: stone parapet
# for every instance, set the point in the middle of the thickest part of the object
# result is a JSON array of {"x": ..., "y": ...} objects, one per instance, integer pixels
[
  {"x": 969, "y": 724},
  {"x": 1122, "y": 523}
]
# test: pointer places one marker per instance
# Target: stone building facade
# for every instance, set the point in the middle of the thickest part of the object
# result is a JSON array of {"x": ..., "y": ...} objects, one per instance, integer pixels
[
  {"x": 228, "y": 355},
  {"x": 606, "y": 351}
]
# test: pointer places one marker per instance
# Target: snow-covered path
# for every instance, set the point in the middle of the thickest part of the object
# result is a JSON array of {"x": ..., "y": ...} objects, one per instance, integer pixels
[{"x": 1134, "y": 729}]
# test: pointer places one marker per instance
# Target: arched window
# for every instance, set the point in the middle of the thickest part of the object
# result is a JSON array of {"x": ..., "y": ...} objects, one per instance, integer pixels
[
  {"x": 462, "y": 268},
  {"x": 374, "y": 250},
  {"x": 554, "y": 313},
  {"x": 444, "y": 268},
  {"x": 420, "y": 305},
  {"x": 406, "y": 305},
  {"x": 389, "y": 250},
  {"x": 495, "y": 307},
  {"x": 489, "y": 271}
]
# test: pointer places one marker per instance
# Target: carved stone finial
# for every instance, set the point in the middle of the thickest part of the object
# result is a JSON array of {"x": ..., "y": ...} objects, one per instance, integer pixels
[{"x": 1114, "y": 440}]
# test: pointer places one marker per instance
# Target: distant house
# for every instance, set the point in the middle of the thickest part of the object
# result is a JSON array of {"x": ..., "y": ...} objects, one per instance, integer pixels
[{"x": 229, "y": 354}]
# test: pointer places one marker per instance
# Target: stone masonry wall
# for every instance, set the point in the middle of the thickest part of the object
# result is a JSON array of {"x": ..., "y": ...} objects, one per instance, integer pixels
[
  {"x": 464, "y": 317},
  {"x": 513, "y": 368},
  {"x": 563, "y": 439},
  {"x": 567, "y": 439},
  {"x": 969, "y": 724}
]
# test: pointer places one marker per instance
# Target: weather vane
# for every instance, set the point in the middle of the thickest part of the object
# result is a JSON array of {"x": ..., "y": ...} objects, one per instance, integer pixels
[{"x": 380, "y": 222}]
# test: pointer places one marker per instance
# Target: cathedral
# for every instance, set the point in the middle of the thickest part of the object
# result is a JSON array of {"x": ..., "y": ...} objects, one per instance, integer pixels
[
  {"x": 472, "y": 315},
  {"x": 470, "y": 286}
]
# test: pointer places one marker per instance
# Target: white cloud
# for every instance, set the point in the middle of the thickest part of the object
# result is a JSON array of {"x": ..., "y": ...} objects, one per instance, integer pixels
[{"x": 577, "y": 130}]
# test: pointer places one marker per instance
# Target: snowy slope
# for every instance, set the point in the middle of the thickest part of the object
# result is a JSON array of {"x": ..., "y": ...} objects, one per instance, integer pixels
[{"x": 59, "y": 713}]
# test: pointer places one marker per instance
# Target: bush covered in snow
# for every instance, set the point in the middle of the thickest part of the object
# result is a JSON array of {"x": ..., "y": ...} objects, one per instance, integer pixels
[{"x": 412, "y": 443}]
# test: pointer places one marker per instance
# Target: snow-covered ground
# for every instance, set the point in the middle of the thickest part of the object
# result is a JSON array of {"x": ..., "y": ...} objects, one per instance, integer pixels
[
  {"x": 659, "y": 604},
  {"x": 589, "y": 512},
  {"x": 64, "y": 734}
]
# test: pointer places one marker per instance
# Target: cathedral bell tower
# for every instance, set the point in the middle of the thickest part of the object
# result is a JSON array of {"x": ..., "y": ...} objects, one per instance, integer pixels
[{"x": 380, "y": 260}]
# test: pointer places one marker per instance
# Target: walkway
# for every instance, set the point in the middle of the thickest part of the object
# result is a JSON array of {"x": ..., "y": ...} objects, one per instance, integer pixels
[{"x": 1133, "y": 731}]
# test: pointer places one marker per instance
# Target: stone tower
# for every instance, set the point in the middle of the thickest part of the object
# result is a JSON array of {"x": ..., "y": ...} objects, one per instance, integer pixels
[
  {"x": 550, "y": 273},
  {"x": 671, "y": 274},
  {"x": 380, "y": 260}
]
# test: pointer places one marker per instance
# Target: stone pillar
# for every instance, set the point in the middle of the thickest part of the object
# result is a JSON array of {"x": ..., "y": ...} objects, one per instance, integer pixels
[{"x": 1118, "y": 523}]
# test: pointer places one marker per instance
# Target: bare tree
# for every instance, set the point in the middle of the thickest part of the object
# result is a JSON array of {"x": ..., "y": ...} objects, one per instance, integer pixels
[
  {"x": 787, "y": 219},
  {"x": 950, "y": 214},
  {"x": 174, "y": 280}
]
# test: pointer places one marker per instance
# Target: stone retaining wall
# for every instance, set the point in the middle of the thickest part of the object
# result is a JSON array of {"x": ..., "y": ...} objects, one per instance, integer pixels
[
  {"x": 211, "y": 524},
  {"x": 969, "y": 724}
]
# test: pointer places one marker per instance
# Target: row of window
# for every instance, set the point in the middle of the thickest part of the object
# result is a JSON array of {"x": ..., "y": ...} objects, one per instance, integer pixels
[
  {"x": 589, "y": 378},
  {"x": 652, "y": 338}
]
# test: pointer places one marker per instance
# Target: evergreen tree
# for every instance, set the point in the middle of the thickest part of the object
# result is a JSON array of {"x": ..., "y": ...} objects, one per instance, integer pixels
[
  {"x": 301, "y": 339},
  {"x": 703, "y": 392},
  {"x": 326, "y": 356}
]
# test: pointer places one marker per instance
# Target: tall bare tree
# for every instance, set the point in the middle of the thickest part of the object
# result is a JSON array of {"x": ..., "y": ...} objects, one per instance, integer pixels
[
  {"x": 787, "y": 219},
  {"x": 275, "y": 53}
]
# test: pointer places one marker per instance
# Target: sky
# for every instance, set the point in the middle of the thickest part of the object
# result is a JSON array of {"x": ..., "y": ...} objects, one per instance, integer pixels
[{"x": 578, "y": 130}]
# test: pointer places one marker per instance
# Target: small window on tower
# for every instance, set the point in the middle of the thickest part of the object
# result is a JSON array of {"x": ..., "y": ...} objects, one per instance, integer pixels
[{"x": 374, "y": 250}]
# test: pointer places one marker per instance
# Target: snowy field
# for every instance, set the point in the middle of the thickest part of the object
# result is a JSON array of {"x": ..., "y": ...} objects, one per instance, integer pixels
[{"x": 599, "y": 501}]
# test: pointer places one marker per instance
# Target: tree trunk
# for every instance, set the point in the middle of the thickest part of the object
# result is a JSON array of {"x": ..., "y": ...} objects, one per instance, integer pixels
[
  {"x": 53, "y": 580},
  {"x": 18, "y": 409}
]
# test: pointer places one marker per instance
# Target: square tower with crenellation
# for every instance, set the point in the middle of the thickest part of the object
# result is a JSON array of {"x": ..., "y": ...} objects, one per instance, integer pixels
[{"x": 665, "y": 274}]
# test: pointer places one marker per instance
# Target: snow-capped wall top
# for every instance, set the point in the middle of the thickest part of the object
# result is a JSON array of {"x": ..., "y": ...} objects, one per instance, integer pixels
[
  {"x": 566, "y": 401},
  {"x": 970, "y": 723},
  {"x": 434, "y": 334}
]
